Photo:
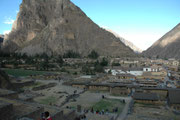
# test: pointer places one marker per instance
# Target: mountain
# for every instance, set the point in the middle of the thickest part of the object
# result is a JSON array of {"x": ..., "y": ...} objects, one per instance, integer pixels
[
  {"x": 126, "y": 42},
  {"x": 131, "y": 45},
  {"x": 57, "y": 26},
  {"x": 1, "y": 38},
  {"x": 167, "y": 46}
]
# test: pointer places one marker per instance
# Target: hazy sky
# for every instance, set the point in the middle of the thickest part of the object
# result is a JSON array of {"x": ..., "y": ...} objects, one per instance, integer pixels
[{"x": 139, "y": 21}]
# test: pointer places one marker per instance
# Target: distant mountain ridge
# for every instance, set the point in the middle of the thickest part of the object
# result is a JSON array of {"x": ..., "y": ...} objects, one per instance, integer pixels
[
  {"x": 57, "y": 26},
  {"x": 168, "y": 46},
  {"x": 126, "y": 42}
]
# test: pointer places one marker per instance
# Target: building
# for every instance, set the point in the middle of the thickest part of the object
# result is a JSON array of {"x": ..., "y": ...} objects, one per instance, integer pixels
[
  {"x": 146, "y": 98},
  {"x": 147, "y": 69},
  {"x": 173, "y": 62},
  {"x": 174, "y": 98},
  {"x": 120, "y": 90},
  {"x": 126, "y": 76}
]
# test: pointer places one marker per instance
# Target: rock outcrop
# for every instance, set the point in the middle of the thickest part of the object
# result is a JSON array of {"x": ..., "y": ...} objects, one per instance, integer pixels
[
  {"x": 167, "y": 46},
  {"x": 57, "y": 26}
]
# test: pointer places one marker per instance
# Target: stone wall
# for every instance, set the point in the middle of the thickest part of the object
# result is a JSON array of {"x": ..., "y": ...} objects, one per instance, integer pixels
[
  {"x": 6, "y": 111},
  {"x": 10, "y": 96},
  {"x": 150, "y": 102},
  {"x": 79, "y": 86},
  {"x": 22, "y": 84},
  {"x": 103, "y": 88},
  {"x": 44, "y": 86},
  {"x": 161, "y": 93},
  {"x": 36, "y": 114},
  {"x": 120, "y": 90}
]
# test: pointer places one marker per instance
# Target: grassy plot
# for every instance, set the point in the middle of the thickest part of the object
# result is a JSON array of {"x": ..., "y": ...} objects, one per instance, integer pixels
[
  {"x": 109, "y": 104},
  {"x": 48, "y": 100},
  {"x": 20, "y": 72}
]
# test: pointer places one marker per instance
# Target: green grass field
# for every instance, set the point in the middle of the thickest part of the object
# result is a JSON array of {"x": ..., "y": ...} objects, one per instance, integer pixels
[
  {"x": 109, "y": 104},
  {"x": 20, "y": 72}
]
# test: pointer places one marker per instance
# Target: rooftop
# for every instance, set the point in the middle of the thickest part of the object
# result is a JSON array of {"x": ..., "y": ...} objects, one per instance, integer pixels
[
  {"x": 174, "y": 96},
  {"x": 146, "y": 96}
]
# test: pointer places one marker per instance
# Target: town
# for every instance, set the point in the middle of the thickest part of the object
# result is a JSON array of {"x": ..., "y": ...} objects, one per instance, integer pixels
[{"x": 91, "y": 87}]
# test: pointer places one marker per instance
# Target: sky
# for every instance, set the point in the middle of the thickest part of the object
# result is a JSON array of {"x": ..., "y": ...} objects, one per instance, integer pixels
[{"x": 140, "y": 21}]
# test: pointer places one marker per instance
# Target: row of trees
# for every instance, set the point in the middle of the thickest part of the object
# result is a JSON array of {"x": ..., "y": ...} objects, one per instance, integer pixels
[
  {"x": 96, "y": 67},
  {"x": 69, "y": 54}
]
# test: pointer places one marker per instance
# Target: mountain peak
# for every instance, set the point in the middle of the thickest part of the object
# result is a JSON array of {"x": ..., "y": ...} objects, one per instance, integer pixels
[{"x": 57, "y": 26}]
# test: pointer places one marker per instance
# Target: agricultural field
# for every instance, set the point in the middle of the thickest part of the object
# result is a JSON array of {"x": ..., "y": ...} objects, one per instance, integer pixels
[{"x": 23, "y": 73}]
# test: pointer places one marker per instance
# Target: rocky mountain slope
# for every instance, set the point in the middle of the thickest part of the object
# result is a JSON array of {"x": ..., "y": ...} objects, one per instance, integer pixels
[
  {"x": 57, "y": 26},
  {"x": 166, "y": 47},
  {"x": 126, "y": 42}
]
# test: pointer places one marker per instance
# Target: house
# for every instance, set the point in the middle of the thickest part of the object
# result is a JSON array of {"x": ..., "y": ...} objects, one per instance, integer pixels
[
  {"x": 79, "y": 84},
  {"x": 126, "y": 76},
  {"x": 146, "y": 98},
  {"x": 120, "y": 90},
  {"x": 174, "y": 98},
  {"x": 153, "y": 68},
  {"x": 99, "y": 86},
  {"x": 137, "y": 71},
  {"x": 147, "y": 69},
  {"x": 161, "y": 92},
  {"x": 173, "y": 62}
]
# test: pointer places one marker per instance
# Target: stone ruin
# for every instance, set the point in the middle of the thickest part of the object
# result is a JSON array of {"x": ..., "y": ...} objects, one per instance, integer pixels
[{"x": 13, "y": 108}]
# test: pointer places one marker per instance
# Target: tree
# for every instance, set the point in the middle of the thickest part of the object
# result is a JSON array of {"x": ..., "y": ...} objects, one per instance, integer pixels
[
  {"x": 87, "y": 70},
  {"x": 45, "y": 63},
  {"x": 99, "y": 68},
  {"x": 60, "y": 61},
  {"x": 116, "y": 64},
  {"x": 179, "y": 67},
  {"x": 71, "y": 54},
  {"x": 93, "y": 55},
  {"x": 104, "y": 62}
]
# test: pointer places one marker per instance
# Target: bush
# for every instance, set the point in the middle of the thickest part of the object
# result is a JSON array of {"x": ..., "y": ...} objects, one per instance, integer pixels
[
  {"x": 71, "y": 54},
  {"x": 99, "y": 68},
  {"x": 116, "y": 64},
  {"x": 93, "y": 55},
  {"x": 104, "y": 62}
]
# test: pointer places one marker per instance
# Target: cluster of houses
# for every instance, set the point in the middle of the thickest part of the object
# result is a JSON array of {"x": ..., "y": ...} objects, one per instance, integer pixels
[
  {"x": 140, "y": 94},
  {"x": 148, "y": 83}
]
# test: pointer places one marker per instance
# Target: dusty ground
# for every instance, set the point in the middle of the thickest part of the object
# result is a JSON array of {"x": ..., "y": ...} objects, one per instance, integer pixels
[
  {"x": 87, "y": 99},
  {"x": 55, "y": 95},
  {"x": 152, "y": 113}
]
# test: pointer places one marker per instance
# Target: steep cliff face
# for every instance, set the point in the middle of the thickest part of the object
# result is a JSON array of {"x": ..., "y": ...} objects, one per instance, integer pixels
[
  {"x": 56, "y": 26},
  {"x": 167, "y": 46}
]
